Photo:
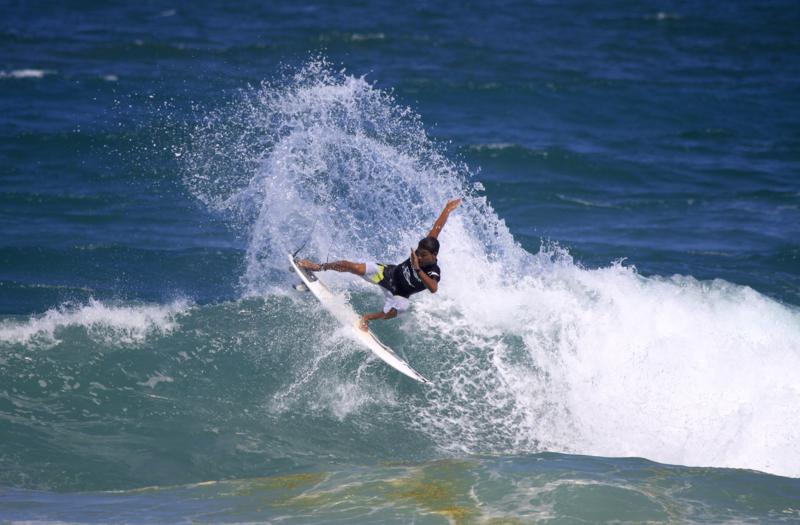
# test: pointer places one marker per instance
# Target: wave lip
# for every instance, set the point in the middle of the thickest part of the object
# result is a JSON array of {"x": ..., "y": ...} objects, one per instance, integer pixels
[{"x": 108, "y": 324}]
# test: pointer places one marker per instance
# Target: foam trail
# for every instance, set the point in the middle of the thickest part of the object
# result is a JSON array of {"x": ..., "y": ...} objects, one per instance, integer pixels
[{"x": 528, "y": 352}]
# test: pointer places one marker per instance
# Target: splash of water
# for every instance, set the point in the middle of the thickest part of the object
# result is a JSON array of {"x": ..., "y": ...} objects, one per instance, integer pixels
[
  {"x": 329, "y": 156},
  {"x": 533, "y": 351}
]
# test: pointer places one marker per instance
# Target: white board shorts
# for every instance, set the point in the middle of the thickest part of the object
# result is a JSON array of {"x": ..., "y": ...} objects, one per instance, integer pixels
[{"x": 374, "y": 275}]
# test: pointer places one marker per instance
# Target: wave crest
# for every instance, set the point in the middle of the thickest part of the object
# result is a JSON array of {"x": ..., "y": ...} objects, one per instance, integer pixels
[{"x": 108, "y": 324}]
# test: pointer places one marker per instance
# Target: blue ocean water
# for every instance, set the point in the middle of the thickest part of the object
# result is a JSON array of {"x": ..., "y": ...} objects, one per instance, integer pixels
[{"x": 617, "y": 333}]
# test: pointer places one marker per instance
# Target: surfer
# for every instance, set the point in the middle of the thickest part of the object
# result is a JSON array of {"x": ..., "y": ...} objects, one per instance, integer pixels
[{"x": 416, "y": 274}]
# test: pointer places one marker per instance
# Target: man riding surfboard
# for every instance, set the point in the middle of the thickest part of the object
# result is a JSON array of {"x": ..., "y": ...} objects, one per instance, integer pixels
[{"x": 417, "y": 273}]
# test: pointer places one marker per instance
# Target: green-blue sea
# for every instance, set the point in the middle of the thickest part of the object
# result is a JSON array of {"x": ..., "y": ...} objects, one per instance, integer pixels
[{"x": 616, "y": 334}]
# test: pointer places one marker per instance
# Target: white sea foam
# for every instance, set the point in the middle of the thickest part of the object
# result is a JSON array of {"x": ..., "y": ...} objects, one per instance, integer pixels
[
  {"x": 157, "y": 378},
  {"x": 663, "y": 15},
  {"x": 26, "y": 73},
  {"x": 584, "y": 202},
  {"x": 110, "y": 324},
  {"x": 342, "y": 398},
  {"x": 530, "y": 352},
  {"x": 352, "y": 37},
  {"x": 360, "y": 37},
  {"x": 607, "y": 362},
  {"x": 494, "y": 146}
]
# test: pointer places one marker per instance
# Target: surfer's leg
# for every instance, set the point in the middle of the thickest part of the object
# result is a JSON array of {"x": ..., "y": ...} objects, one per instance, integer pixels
[
  {"x": 337, "y": 266},
  {"x": 310, "y": 265},
  {"x": 345, "y": 267},
  {"x": 373, "y": 272},
  {"x": 395, "y": 302},
  {"x": 363, "y": 323}
]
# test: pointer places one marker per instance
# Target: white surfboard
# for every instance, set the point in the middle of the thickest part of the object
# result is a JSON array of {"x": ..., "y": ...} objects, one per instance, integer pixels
[{"x": 345, "y": 314}]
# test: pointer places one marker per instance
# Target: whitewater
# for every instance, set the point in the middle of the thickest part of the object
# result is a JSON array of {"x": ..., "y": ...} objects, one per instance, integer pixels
[{"x": 528, "y": 352}]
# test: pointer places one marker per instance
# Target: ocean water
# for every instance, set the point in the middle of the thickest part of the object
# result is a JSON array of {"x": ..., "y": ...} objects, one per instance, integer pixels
[{"x": 616, "y": 337}]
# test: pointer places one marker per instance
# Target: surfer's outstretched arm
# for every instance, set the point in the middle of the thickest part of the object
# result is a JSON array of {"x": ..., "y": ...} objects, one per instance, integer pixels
[
  {"x": 439, "y": 224},
  {"x": 366, "y": 318}
]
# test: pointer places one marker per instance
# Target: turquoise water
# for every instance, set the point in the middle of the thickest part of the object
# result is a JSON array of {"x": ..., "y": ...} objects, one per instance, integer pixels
[
  {"x": 616, "y": 336},
  {"x": 544, "y": 488}
]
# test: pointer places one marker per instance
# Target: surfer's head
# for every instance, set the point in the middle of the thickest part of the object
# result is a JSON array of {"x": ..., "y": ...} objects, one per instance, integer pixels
[{"x": 427, "y": 250}]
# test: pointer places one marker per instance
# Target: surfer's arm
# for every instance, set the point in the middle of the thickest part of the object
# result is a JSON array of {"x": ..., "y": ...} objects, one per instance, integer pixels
[
  {"x": 429, "y": 282},
  {"x": 366, "y": 318},
  {"x": 439, "y": 224}
]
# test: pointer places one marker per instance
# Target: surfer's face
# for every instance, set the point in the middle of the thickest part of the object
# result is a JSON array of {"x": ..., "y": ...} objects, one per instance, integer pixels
[{"x": 425, "y": 257}]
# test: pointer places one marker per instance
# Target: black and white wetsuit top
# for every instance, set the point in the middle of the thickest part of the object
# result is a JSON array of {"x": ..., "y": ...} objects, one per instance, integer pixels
[{"x": 402, "y": 280}]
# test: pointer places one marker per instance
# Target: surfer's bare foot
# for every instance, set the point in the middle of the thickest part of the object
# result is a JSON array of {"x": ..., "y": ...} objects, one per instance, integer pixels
[{"x": 309, "y": 265}]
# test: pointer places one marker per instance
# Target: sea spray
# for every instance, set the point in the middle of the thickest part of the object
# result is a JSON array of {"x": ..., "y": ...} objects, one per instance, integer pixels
[
  {"x": 324, "y": 157},
  {"x": 528, "y": 352}
]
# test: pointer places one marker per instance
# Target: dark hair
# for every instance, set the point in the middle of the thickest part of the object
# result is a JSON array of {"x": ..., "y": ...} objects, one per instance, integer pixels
[{"x": 429, "y": 243}]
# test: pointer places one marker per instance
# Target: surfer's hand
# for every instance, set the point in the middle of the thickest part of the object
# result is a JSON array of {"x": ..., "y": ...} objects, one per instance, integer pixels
[
  {"x": 452, "y": 205},
  {"x": 414, "y": 261},
  {"x": 363, "y": 323}
]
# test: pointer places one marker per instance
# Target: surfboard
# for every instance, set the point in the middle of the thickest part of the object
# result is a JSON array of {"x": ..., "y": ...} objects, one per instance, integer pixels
[{"x": 344, "y": 313}]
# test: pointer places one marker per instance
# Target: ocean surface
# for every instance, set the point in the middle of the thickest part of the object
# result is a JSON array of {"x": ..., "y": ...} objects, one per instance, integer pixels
[{"x": 616, "y": 336}]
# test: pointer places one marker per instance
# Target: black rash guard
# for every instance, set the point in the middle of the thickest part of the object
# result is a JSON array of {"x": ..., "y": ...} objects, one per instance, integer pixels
[{"x": 402, "y": 280}]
